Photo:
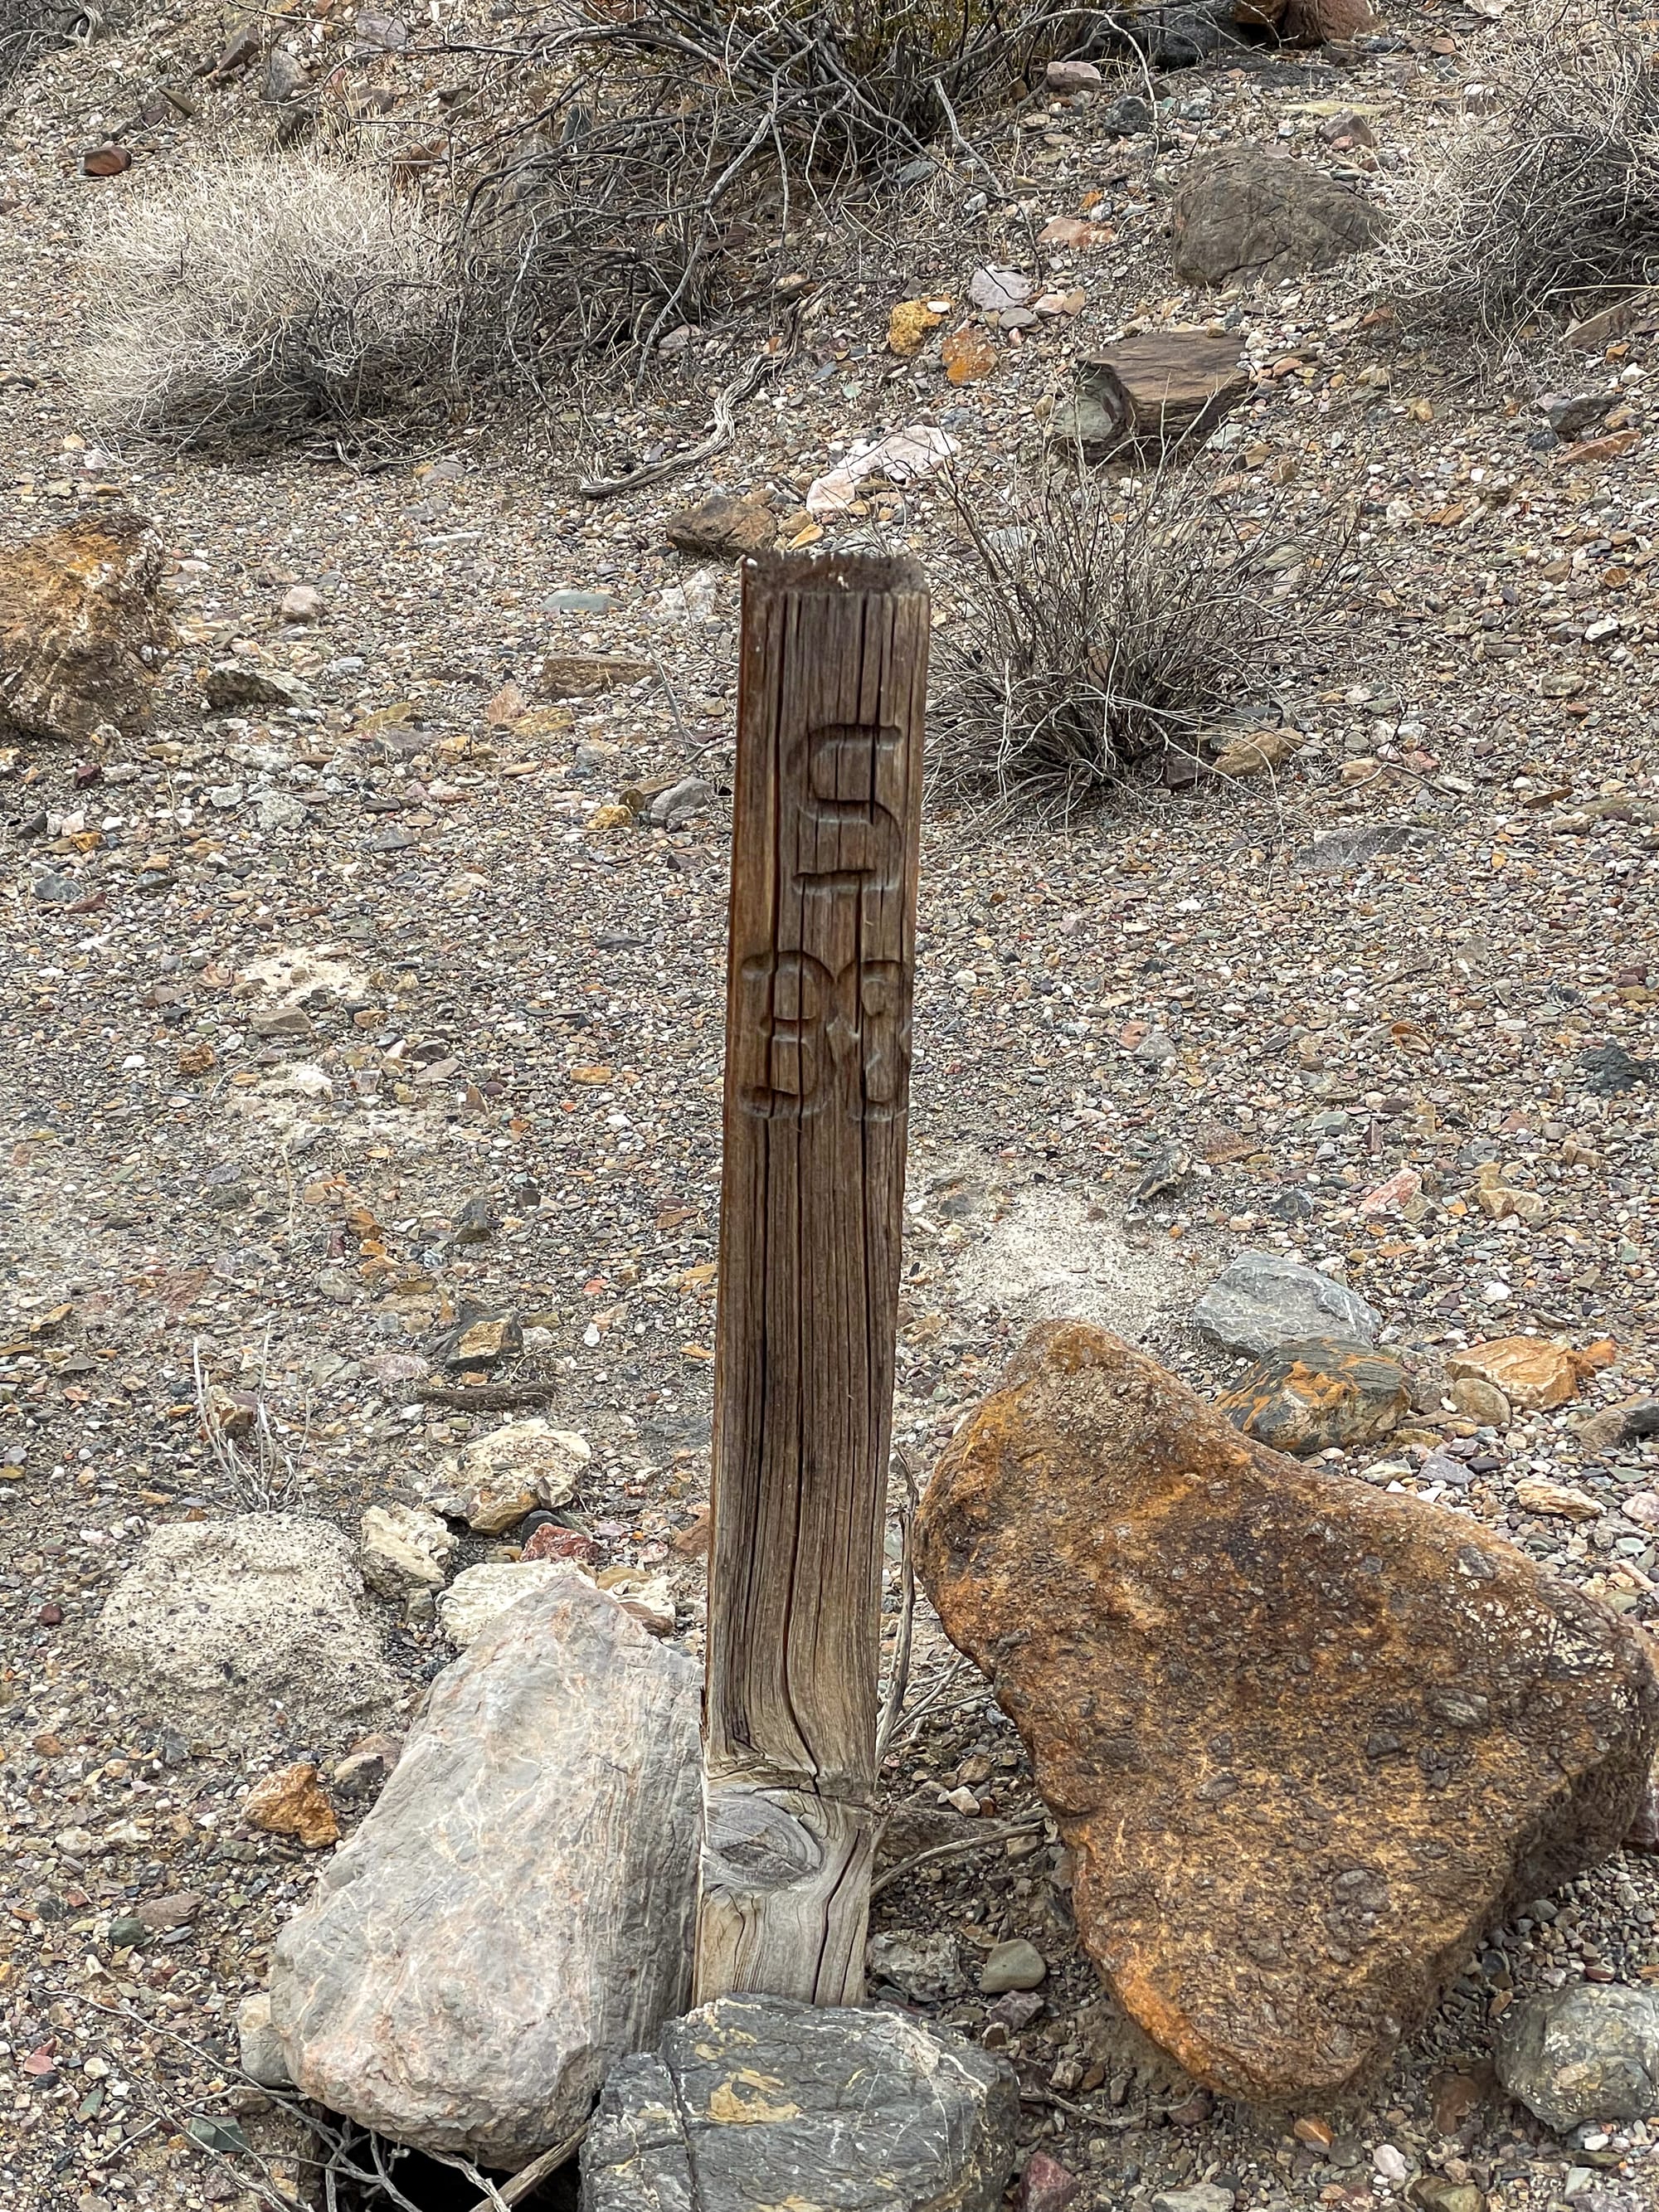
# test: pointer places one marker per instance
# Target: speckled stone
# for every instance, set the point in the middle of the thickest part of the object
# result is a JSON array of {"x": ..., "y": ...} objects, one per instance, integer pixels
[{"x": 1307, "y": 1740}]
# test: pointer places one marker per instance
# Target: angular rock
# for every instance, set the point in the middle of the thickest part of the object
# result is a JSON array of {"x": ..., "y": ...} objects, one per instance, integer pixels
[
  {"x": 404, "y": 1548},
  {"x": 514, "y": 1915},
  {"x": 923, "y": 1966},
  {"x": 478, "y": 1596},
  {"x": 724, "y": 528},
  {"x": 756, "y": 2102},
  {"x": 581, "y": 675},
  {"x": 1247, "y": 213},
  {"x": 479, "y": 1340},
  {"x": 1583, "y": 2052},
  {"x": 1532, "y": 1373},
  {"x": 82, "y": 629},
  {"x": 517, "y": 1468},
  {"x": 1263, "y": 1300},
  {"x": 1611, "y": 1427},
  {"x": 1307, "y": 1740},
  {"x": 1154, "y": 393},
  {"x": 240, "y": 683},
  {"x": 260, "y": 2051},
  {"x": 1203, "y": 2197},
  {"x": 1325, "y": 22},
  {"x": 229, "y": 1620},
  {"x": 1046, "y": 2185},
  {"x": 292, "y": 1803},
  {"x": 1308, "y": 1397}
]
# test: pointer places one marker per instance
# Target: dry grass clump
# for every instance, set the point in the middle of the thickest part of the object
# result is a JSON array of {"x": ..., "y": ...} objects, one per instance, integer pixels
[
  {"x": 251, "y": 296},
  {"x": 1113, "y": 622},
  {"x": 1551, "y": 199}
]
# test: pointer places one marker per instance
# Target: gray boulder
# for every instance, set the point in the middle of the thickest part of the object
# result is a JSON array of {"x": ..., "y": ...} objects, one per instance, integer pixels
[
  {"x": 757, "y": 2101},
  {"x": 514, "y": 1915},
  {"x": 924, "y": 1967},
  {"x": 1264, "y": 1301},
  {"x": 1588, "y": 2052},
  {"x": 1245, "y": 212},
  {"x": 229, "y": 1621}
]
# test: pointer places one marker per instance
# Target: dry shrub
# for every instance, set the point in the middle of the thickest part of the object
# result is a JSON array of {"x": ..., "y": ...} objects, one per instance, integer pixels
[
  {"x": 1113, "y": 622},
  {"x": 29, "y": 28},
  {"x": 1553, "y": 197},
  {"x": 254, "y": 296},
  {"x": 673, "y": 137}
]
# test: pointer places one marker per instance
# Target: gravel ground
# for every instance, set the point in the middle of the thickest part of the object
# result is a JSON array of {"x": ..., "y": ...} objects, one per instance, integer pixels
[{"x": 424, "y": 980}]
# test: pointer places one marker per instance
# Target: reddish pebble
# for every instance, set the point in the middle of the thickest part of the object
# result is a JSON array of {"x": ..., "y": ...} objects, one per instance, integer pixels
[
  {"x": 570, "y": 1544},
  {"x": 49, "y": 1615},
  {"x": 1046, "y": 2186}
]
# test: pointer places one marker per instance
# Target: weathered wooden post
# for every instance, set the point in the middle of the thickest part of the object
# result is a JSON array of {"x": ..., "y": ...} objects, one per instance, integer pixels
[{"x": 825, "y": 836}]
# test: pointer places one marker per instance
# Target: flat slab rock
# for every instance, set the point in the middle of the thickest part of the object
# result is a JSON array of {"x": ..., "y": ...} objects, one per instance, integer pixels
[
  {"x": 1309, "y": 1740},
  {"x": 82, "y": 626},
  {"x": 756, "y": 2102},
  {"x": 514, "y": 1915}
]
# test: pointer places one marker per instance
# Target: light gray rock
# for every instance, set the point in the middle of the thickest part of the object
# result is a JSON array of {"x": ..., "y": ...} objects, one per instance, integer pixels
[
  {"x": 404, "y": 1548},
  {"x": 757, "y": 2101},
  {"x": 480, "y": 1595},
  {"x": 260, "y": 2051},
  {"x": 515, "y": 1469},
  {"x": 1264, "y": 1301},
  {"x": 925, "y": 1967},
  {"x": 240, "y": 683},
  {"x": 1016, "y": 1965},
  {"x": 230, "y": 1619},
  {"x": 514, "y": 1915},
  {"x": 1203, "y": 2197},
  {"x": 1588, "y": 2052}
]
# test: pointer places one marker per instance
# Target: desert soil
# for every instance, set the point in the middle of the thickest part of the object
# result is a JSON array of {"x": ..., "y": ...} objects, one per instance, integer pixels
[{"x": 503, "y": 1003}]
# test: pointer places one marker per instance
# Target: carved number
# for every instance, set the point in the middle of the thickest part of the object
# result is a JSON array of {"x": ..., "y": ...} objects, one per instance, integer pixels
[{"x": 814, "y": 1029}]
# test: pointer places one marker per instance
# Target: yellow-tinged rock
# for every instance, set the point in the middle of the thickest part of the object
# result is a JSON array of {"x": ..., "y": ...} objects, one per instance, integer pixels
[
  {"x": 293, "y": 1803},
  {"x": 968, "y": 357},
  {"x": 1535, "y": 1495},
  {"x": 1262, "y": 748},
  {"x": 909, "y": 324},
  {"x": 1532, "y": 1372}
]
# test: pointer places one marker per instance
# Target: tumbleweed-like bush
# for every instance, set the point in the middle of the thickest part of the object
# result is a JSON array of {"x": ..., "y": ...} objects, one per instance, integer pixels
[
  {"x": 1551, "y": 199},
  {"x": 256, "y": 296},
  {"x": 1112, "y": 622}
]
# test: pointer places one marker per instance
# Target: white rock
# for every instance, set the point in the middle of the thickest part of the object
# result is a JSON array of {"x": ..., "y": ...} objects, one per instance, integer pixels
[
  {"x": 477, "y": 1598},
  {"x": 514, "y": 1915},
  {"x": 227, "y": 1620},
  {"x": 404, "y": 1548}
]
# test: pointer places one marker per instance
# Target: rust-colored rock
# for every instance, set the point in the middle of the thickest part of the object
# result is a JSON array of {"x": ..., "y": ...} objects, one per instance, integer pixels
[
  {"x": 726, "y": 528},
  {"x": 293, "y": 1803},
  {"x": 1325, "y": 22},
  {"x": 1308, "y": 1397},
  {"x": 82, "y": 628},
  {"x": 1532, "y": 1373},
  {"x": 1309, "y": 1740}
]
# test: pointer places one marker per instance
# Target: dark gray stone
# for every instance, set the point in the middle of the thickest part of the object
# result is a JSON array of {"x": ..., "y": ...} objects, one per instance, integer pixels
[
  {"x": 1609, "y": 1070},
  {"x": 1264, "y": 1301},
  {"x": 1588, "y": 2051},
  {"x": 756, "y": 2102},
  {"x": 1247, "y": 213}
]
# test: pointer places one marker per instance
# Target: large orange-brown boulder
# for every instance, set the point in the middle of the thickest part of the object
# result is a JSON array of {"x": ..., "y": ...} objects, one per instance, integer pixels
[
  {"x": 82, "y": 629},
  {"x": 1307, "y": 1740}
]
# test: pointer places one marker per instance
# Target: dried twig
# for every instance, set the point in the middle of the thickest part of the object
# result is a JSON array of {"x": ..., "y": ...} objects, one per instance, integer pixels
[
  {"x": 936, "y": 1854},
  {"x": 487, "y": 1397},
  {"x": 898, "y": 1682},
  {"x": 531, "y": 2177},
  {"x": 738, "y": 390}
]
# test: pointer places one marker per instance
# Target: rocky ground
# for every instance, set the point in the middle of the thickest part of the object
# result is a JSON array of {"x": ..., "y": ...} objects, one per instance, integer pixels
[{"x": 329, "y": 1024}]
